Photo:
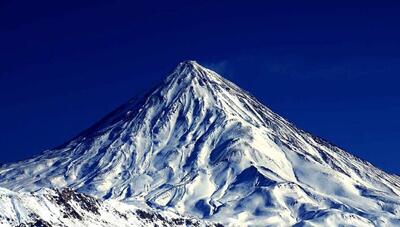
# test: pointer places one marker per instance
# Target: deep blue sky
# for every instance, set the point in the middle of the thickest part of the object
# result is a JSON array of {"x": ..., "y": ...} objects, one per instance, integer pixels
[{"x": 332, "y": 69}]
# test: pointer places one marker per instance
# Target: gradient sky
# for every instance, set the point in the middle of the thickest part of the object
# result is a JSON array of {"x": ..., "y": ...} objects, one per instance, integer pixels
[{"x": 332, "y": 69}]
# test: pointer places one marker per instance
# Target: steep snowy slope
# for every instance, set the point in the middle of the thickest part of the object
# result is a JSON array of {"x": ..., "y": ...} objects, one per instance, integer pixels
[
  {"x": 64, "y": 207},
  {"x": 203, "y": 146}
]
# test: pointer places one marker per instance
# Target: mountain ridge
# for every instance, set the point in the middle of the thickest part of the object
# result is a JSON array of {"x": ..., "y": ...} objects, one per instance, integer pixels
[{"x": 65, "y": 207}]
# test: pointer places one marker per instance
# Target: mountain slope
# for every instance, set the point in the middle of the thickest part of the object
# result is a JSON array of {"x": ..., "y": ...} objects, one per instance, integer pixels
[
  {"x": 201, "y": 145},
  {"x": 64, "y": 207}
]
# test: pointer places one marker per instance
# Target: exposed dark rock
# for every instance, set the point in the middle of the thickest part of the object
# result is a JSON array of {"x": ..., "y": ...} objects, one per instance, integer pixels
[
  {"x": 145, "y": 215},
  {"x": 65, "y": 196}
]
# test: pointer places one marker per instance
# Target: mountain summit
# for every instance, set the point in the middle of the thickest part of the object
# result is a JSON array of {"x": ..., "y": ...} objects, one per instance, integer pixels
[{"x": 200, "y": 145}]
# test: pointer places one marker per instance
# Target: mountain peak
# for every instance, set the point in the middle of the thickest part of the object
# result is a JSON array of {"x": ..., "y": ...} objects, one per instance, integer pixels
[
  {"x": 187, "y": 66},
  {"x": 190, "y": 68},
  {"x": 189, "y": 63},
  {"x": 191, "y": 73}
]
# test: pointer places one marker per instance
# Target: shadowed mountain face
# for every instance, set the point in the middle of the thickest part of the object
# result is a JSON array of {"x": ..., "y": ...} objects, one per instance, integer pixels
[{"x": 201, "y": 145}]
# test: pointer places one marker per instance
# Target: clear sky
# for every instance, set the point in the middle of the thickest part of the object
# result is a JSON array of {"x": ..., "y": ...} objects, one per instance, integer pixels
[{"x": 331, "y": 68}]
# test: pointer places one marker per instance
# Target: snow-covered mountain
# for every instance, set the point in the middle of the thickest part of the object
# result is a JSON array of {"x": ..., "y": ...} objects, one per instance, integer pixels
[
  {"x": 200, "y": 145},
  {"x": 65, "y": 207}
]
